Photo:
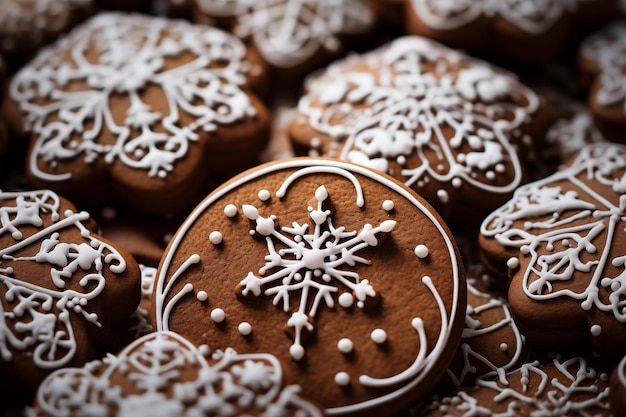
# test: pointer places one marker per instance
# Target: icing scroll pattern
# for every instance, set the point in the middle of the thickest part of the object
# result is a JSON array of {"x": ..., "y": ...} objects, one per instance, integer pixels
[
  {"x": 569, "y": 233},
  {"x": 233, "y": 384},
  {"x": 133, "y": 53},
  {"x": 37, "y": 317}
]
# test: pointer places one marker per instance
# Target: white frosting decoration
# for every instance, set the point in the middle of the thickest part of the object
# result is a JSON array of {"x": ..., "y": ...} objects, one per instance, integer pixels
[
  {"x": 218, "y": 315},
  {"x": 378, "y": 336},
  {"x": 252, "y": 383},
  {"x": 283, "y": 269},
  {"x": 342, "y": 379},
  {"x": 244, "y": 328},
  {"x": 126, "y": 54},
  {"x": 512, "y": 263},
  {"x": 393, "y": 103},
  {"x": 345, "y": 345},
  {"x": 346, "y": 300},
  {"x": 230, "y": 210},
  {"x": 388, "y": 205},
  {"x": 568, "y": 136},
  {"x": 264, "y": 195},
  {"x": 216, "y": 237},
  {"x": 202, "y": 296},
  {"x": 289, "y": 32},
  {"x": 421, "y": 251},
  {"x": 568, "y": 236},
  {"x": 595, "y": 330},
  {"x": 535, "y": 17},
  {"x": 38, "y": 319}
]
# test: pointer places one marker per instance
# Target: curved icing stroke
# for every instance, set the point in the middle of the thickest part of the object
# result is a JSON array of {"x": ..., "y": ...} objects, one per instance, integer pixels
[
  {"x": 400, "y": 107},
  {"x": 532, "y": 16},
  {"x": 133, "y": 52},
  {"x": 150, "y": 365},
  {"x": 567, "y": 234},
  {"x": 40, "y": 317},
  {"x": 289, "y": 32},
  {"x": 607, "y": 48}
]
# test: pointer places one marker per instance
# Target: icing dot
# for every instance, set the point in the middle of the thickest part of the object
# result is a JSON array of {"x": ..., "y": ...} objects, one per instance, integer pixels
[
  {"x": 401, "y": 160},
  {"x": 216, "y": 237},
  {"x": 504, "y": 347},
  {"x": 596, "y": 330},
  {"x": 378, "y": 336},
  {"x": 218, "y": 316},
  {"x": 490, "y": 175},
  {"x": 296, "y": 352},
  {"x": 345, "y": 345},
  {"x": 202, "y": 296},
  {"x": 421, "y": 251},
  {"x": 443, "y": 196},
  {"x": 204, "y": 350},
  {"x": 244, "y": 328},
  {"x": 388, "y": 205},
  {"x": 512, "y": 263},
  {"x": 456, "y": 182},
  {"x": 342, "y": 379},
  {"x": 230, "y": 210},
  {"x": 524, "y": 380},
  {"x": 346, "y": 300},
  {"x": 264, "y": 195}
]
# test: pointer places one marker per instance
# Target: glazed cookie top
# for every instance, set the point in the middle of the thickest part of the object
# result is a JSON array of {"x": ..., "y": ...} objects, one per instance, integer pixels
[
  {"x": 563, "y": 387},
  {"x": 290, "y": 32},
  {"x": 57, "y": 281},
  {"x": 561, "y": 239},
  {"x": 142, "y": 99},
  {"x": 164, "y": 374},
  {"x": 344, "y": 274},
  {"x": 443, "y": 123}
]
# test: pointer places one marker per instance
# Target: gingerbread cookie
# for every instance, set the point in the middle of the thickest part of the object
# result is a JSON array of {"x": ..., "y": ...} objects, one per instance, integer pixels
[
  {"x": 528, "y": 31},
  {"x": 618, "y": 388},
  {"x": 344, "y": 274},
  {"x": 140, "y": 108},
  {"x": 61, "y": 287},
  {"x": 602, "y": 64},
  {"x": 561, "y": 241},
  {"x": 563, "y": 387},
  {"x": 293, "y": 36},
  {"x": 163, "y": 374},
  {"x": 27, "y": 25},
  {"x": 453, "y": 128}
]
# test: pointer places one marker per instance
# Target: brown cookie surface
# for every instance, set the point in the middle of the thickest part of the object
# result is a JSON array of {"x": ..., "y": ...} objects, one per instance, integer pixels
[
  {"x": 61, "y": 287},
  {"x": 138, "y": 108},
  {"x": 561, "y": 241},
  {"x": 163, "y": 374},
  {"x": 344, "y": 274}
]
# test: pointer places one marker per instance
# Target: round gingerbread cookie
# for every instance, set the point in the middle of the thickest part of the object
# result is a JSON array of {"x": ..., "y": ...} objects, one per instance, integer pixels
[
  {"x": 455, "y": 129},
  {"x": 344, "y": 274},
  {"x": 164, "y": 374},
  {"x": 61, "y": 287},
  {"x": 293, "y": 36},
  {"x": 140, "y": 108},
  {"x": 602, "y": 64},
  {"x": 562, "y": 387},
  {"x": 561, "y": 241}
]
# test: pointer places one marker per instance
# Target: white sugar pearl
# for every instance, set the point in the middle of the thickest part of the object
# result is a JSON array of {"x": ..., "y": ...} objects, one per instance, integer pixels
[
  {"x": 264, "y": 195},
  {"x": 202, "y": 296},
  {"x": 216, "y": 237},
  {"x": 342, "y": 379},
  {"x": 346, "y": 300},
  {"x": 596, "y": 330},
  {"x": 218, "y": 315},
  {"x": 244, "y": 328},
  {"x": 378, "y": 336},
  {"x": 345, "y": 345},
  {"x": 230, "y": 210},
  {"x": 296, "y": 352},
  {"x": 421, "y": 251},
  {"x": 512, "y": 263},
  {"x": 388, "y": 205}
]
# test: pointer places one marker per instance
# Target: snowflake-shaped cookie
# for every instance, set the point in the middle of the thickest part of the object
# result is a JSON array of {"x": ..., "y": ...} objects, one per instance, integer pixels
[
  {"x": 139, "y": 99},
  {"x": 562, "y": 239},
  {"x": 164, "y": 374},
  {"x": 56, "y": 280}
]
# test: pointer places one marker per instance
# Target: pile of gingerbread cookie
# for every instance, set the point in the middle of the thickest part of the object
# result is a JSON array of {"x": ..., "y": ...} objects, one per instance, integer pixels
[{"x": 313, "y": 208}]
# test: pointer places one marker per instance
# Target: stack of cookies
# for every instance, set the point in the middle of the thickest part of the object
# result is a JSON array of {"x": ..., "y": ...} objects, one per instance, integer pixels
[{"x": 313, "y": 208}]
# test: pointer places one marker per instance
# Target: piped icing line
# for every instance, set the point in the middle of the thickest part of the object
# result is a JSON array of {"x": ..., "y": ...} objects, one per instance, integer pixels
[
  {"x": 163, "y": 324},
  {"x": 253, "y": 380},
  {"x": 621, "y": 371},
  {"x": 282, "y": 190},
  {"x": 595, "y": 163},
  {"x": 300, "y": 163}
]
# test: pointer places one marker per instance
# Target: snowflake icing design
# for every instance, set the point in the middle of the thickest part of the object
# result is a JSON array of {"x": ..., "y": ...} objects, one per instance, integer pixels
[
  {"x": 309, "y": 263},
  {"x": 151, "y": 364},
  {"x": 133, "y": 53},
  {"x": 563, "y": 231},
  {"x": 41, "y": 316}
]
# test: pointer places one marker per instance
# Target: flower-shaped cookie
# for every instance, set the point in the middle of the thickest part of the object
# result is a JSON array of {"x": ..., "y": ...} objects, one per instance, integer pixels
[
  {"x": 561, "y": 241},
  {"x": 163, "y": 374},
  {"x": 139, "y": 108},
  {"x": 453, "y": 128},
  {"x": 61, "y": 286}
]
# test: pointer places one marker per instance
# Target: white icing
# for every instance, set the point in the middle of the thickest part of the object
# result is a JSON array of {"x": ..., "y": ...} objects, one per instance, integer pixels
[
  {"x": 264, "y": 195},
  {"x": 345, "y": 345},
  {"x": 512, "y": 263},
  {"x": 388, "y": 205},
  {"x": 216, "y": 237},
  {"x": 595, "y": 330},
  {"x": 230, "y": 210},
  {"x": 346, "y": 300},
  {"x": 244, "y": 328},
  {"x": 202, "y": 296},
  {"x": 342, "y": 379},
  {"x": 154, "y": 363},
  {"x": 590, "y": 218},
  {"x": 426, "y": 356},
  {"x": 128, "y": 53},
  {"x": 421, "y": 251},
  {"x": 378, "y": 336},
  {"x": 218, "y": 315},
  {"x": 41, "y": 317}
]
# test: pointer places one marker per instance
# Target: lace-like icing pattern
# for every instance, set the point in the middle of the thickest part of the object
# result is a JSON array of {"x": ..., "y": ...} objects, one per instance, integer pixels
[
  {"x": 74, "y": 92},
  {"x": 163, "y": 374}
]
